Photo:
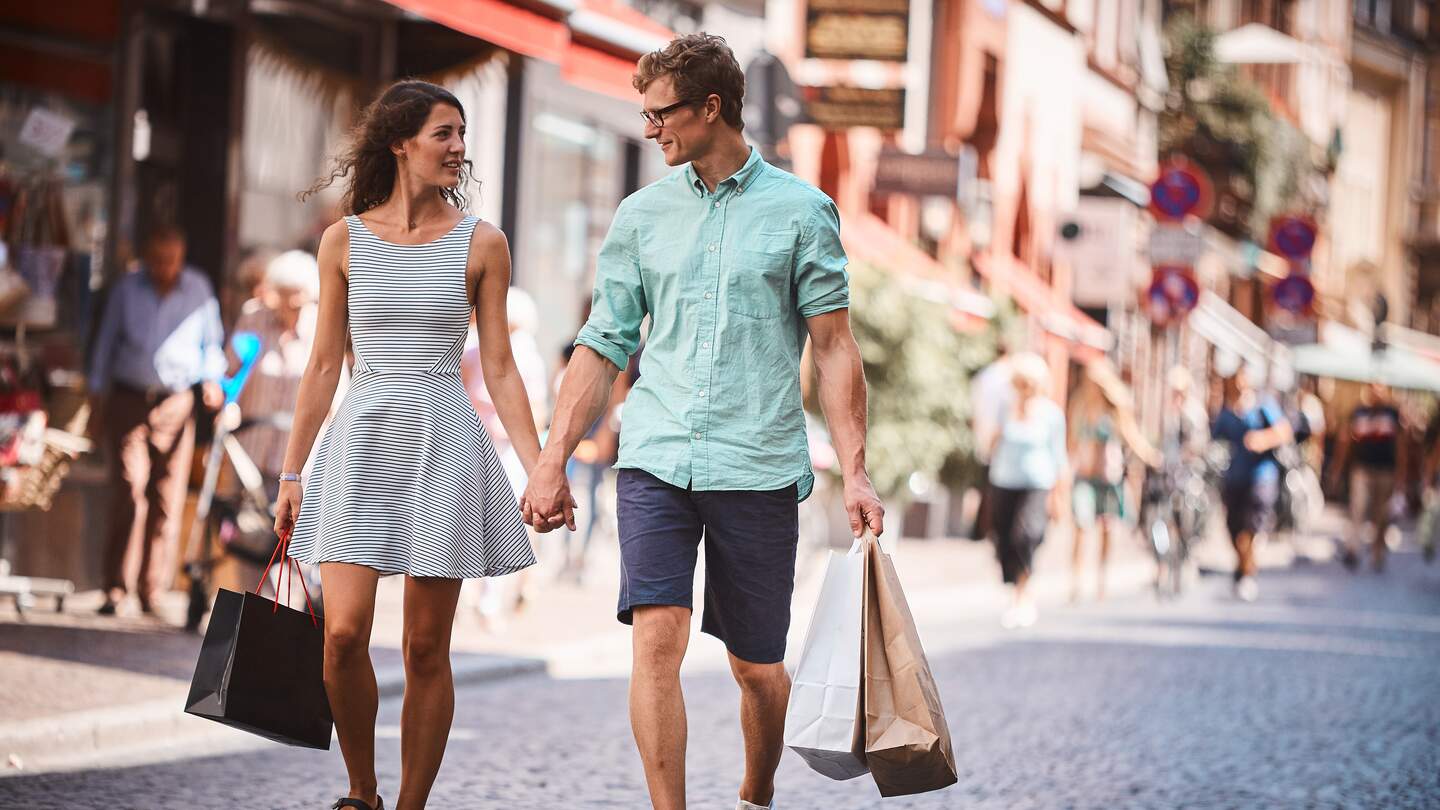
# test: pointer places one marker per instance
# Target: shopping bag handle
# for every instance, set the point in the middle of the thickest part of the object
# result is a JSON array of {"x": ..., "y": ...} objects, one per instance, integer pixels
[
  {"x": 281, "y": 549},
  {"x": 868, "y": 536}
]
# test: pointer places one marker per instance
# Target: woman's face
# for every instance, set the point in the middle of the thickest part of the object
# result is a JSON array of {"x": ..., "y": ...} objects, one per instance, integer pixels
[{"x": 436, "y": 154}]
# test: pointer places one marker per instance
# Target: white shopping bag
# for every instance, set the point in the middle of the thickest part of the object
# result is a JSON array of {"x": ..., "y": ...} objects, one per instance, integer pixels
[{"x": 824, "y": 723}]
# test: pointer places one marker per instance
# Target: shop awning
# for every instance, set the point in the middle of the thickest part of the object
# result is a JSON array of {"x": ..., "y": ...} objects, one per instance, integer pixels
[
  {"x": 606, "y": 40},
  {"x": 1259, "y": 44},
  {"x": 1229, "y": 331},
  {"x": 1056, "y": 315},
  {"x": 870, "y": 239},
  {"x": 1344, "y": 353},
  {"x": 512, "y": 27}
]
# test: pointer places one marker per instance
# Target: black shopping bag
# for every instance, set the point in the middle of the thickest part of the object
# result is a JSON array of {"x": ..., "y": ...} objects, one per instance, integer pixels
[{"x": 261, "y": 669}]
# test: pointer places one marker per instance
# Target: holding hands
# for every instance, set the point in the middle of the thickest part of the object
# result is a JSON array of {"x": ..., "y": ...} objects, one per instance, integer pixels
[{"x": 547, "y": 503}]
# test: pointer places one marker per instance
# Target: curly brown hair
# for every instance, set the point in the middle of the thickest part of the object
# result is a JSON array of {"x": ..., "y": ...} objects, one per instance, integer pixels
[
  {"x": 396, "y": 115},
  {"x": 700, "y": 65}
]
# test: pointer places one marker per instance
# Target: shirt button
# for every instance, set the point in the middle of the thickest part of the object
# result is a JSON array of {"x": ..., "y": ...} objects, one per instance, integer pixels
[
  {"x": 717, "y": 203},
  {"x": 712, "y": 244},
  {"x": 708, "y": 296},
  {"x": 697, "y": 434},
  {"x": 705, "y": 345},
  {"x": 702, "y": 392}
]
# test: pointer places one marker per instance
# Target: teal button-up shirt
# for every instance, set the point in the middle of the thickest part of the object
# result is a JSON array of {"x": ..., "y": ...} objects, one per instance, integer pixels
[{"x": 728, "y": 278}]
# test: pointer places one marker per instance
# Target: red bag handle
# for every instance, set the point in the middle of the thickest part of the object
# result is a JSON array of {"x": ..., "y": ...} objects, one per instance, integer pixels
[{"x": 281, "y": 549}]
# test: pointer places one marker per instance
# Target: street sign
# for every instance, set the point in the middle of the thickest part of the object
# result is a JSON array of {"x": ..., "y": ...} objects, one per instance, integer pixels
[
  {"x": 1173, "y": 293},
  {"x": 931, "y": 174},
  {"x": 1180, "y": 190},
  {"x": 846, "y": 107},
  {"x": 857, "y": 29},
  {"x": 1292, "y": 236},
  {"x": 1294, "y": 293},
  {"x": 1174, "y": 245}
]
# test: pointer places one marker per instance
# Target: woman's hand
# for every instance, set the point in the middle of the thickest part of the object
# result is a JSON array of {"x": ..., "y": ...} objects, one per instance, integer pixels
[{"x": 287, "y": 507}]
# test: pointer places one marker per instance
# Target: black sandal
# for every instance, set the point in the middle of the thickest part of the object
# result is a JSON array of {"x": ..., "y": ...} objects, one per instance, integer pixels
[{"x": 358, "y": 805}]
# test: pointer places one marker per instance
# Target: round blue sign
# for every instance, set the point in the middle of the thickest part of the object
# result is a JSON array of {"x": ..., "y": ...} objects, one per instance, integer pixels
[
  {"x": 1293, "y": 294},
  {"x": 1293, "y": 237},
  {"x": 1177, "y": 192}
]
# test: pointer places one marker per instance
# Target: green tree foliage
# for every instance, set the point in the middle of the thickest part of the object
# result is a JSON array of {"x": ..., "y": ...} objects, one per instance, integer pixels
[{"x": 918, "y": 368}]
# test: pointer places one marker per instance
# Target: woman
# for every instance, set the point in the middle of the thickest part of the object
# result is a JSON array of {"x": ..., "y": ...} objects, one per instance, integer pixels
[
  {"x": 1102, "y": 425},
  {"x": 405, "y": 481},
  {"x": 1029, "y": 469},
  {"x": 1253, "y": 428}
]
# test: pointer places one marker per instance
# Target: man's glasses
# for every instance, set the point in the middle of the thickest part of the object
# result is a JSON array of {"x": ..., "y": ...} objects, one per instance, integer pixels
[{"x": 656, "y": 118}]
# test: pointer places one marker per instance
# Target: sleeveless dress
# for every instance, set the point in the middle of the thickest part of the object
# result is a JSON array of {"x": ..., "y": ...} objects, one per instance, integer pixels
[{"x": 405, "y": 480}]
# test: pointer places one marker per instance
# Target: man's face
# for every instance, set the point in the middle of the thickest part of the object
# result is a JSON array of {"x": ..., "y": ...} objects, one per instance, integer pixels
[
  {"x": 164, "y": 259},
  {"x": 685, "y": 134}
]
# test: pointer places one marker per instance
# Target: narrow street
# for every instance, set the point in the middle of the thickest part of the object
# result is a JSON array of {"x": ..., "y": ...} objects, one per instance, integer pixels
[{"x": 1323, "y": 694}]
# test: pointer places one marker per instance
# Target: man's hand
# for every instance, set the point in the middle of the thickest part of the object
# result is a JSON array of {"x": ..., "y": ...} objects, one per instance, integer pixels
[
  {"x": 863, "y": 506},
  {"x": 212, "y": 395},
  {"x": 547, "y": 504}
]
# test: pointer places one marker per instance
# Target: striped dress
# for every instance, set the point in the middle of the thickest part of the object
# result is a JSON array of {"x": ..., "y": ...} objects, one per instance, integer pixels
[{"x": 406, "y": 480}]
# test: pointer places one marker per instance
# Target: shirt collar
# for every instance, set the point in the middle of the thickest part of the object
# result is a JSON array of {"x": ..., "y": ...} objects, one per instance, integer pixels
[{"x": 740, "y": 180}]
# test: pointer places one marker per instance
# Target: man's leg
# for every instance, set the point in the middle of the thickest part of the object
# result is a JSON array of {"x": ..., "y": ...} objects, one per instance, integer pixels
[
  {"x": 128, "y": 438},
  {"x": 1382, "y": 490},
  {"x": 660, "y": 533},
  {"x": 172, "y": 442},
  {"x": 764, "y": 694},
  {"x": 1360, "y": 509},
  {"x": 657, "y": 707},
  {"x": 750, "y": 545}
]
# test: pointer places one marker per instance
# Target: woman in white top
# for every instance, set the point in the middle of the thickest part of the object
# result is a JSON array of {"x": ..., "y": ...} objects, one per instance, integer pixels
[{"x": 1029, "y": 478}]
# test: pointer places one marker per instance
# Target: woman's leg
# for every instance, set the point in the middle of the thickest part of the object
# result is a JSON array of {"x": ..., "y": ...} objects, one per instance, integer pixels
[
  {"x": 429, "y": 688},
  {"x": 1105, "y": 526},
  {"x": 349, "y": 677}
]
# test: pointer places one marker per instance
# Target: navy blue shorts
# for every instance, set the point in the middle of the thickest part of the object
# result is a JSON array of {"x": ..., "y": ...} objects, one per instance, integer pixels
[{"x": 750, "y": 541}]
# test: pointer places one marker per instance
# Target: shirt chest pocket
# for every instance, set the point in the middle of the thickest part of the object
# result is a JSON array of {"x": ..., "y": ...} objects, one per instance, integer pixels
[{"x": 757, "y": 276}]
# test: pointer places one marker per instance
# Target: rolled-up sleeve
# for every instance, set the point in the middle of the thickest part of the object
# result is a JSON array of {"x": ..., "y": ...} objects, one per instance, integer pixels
[
  {"x": 618, "y": 306},
  {"x": 821, "y": 282}
]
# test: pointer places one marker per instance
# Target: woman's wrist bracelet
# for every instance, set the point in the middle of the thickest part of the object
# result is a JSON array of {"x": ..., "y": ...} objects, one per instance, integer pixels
[{"x": 284, "y": 477}]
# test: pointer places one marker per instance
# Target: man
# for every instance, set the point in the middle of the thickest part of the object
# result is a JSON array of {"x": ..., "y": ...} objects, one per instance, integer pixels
[
  {"x": 734, "y": 261},
  {"x": 160, "y": 336},
  {"x": 1373, "y": 438}
]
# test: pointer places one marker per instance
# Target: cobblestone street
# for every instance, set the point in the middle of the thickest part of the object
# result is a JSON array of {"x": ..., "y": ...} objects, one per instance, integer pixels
[{"x": 1325, "y": 693}]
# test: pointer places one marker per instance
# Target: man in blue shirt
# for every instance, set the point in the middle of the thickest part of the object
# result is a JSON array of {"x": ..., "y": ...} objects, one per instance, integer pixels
[
  {"x": 160, "y": 336},
  {"x": 735, "y": 263}
]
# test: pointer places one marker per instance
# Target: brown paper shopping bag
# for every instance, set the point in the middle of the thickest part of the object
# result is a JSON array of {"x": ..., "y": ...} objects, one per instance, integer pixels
[{"x": 907, "y": 743}]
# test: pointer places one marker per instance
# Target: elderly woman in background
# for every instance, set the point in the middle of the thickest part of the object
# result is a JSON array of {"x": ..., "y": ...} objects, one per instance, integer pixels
[
  {"x": 283, "y": 318},
  {"x": 1029, "y": 479}
]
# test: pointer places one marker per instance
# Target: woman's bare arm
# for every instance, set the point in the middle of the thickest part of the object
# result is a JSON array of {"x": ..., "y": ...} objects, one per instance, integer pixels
[{"x": 490, "y": 267}]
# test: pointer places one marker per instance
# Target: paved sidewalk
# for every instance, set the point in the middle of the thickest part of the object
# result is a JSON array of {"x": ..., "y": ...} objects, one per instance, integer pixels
[{"x": 77, "y": 689}]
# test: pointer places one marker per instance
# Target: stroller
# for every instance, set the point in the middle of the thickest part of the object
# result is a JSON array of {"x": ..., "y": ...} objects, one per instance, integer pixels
[{"x": 244, "y": 521}]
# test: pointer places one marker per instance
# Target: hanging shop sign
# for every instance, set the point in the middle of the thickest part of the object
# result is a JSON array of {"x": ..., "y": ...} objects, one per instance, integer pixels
[
  {"x": 846, "y": 107},
  {"x": 1181, "y": 189},
  {"x": 857, "y": 29},
  {"x": 930, "y": 174},
  {"x": 1172, "y": 294}
]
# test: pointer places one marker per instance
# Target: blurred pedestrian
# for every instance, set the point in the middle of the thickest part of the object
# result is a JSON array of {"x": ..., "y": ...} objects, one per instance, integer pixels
[
  {"x": 497, "y": 598},
  {"x": 1101, "y": 426},
  {"x": 1029, "y": 476},
  {"x": 405, "y": 480},
  {"x": 160, "y": 338},
  {"x": 1253, "y": 426},
  {"x": 593, "y": 458},
  {"x": 741, "y": 262},
  {"x": 1372, "y": 446},
  {"x": 990, "y": 393}
]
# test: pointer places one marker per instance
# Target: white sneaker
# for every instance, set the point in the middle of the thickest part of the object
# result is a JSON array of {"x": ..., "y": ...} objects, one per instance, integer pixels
[
  {"x": 1028, "y": 614},
  {"x": 744, "y": 805},
  {"x": 1247, "y": 589}
]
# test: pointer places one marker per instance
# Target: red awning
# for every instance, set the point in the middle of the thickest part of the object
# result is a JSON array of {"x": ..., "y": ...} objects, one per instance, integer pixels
[
  {"x": 870, "y": 239},
  {"x": 600, "y": 72},
  {"x": 1059, "y": 317},
  {"x": 511, "y": 27}
]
